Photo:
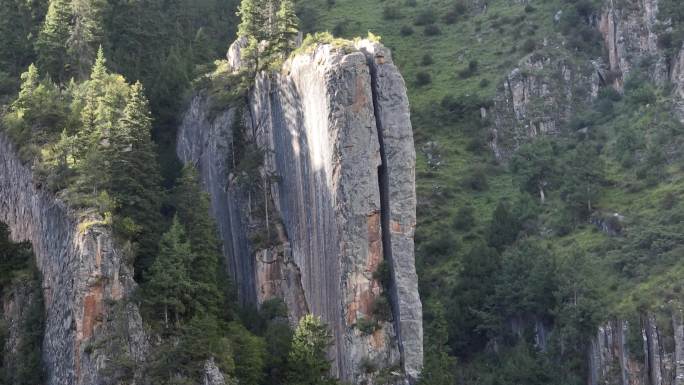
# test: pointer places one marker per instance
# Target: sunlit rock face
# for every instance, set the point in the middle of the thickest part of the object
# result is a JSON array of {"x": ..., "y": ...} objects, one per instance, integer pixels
[
  {"x": 339, "y": 171},
  {"x": 84, "y": 275}
]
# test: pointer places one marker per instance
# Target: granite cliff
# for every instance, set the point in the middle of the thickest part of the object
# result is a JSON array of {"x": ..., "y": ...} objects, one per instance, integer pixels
[
  {"x": 86, "y": 280},
  {"x": 337, "y": 186}
]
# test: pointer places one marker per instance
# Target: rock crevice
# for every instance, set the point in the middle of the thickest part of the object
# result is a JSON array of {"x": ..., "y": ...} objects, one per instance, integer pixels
[{"x": 344, "y": 201}]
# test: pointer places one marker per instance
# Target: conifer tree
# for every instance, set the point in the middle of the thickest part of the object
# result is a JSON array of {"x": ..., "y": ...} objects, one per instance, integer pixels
[
  {"x": 287, "y": 27},
  {"x": 193, "y": 208},
  {"x": 86, "y": 34},
  {"x": 307, "y": 362},
  {"x": 29, "y": 83},
  {"x": 52, "y": 39},
  {"x": 169, "y": 287},
  {"x": 254, "y": 26},
  {"x": 135, "y": 176}
]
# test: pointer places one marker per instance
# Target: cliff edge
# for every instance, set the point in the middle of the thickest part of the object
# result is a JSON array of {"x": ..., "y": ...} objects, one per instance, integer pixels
[{"x": 336, "y": 185}]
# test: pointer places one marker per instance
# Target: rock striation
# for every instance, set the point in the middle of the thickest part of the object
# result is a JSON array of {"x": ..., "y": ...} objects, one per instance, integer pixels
[
  {"x": 85, "y": 277},
  {"x": 631, "y": 32},
  {"x": 338, "y": 179},
  {"x": 539, "y": 97},
  {"x": 649, "y": 351}
]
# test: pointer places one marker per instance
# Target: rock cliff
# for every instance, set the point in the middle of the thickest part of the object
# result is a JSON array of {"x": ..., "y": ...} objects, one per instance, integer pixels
[
  {"x": 538, "y": 97},
  {"x": 338, "y": 186},
  {"x": 85, "y": 278},
  {"x": 649, "y": 351},
  {"x": 632, "y": 32}
]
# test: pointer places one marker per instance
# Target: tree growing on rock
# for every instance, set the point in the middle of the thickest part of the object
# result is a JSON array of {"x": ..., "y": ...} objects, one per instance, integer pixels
[
  {"x": 307, "y": 363},
  {"x": 287, "y": 27}
]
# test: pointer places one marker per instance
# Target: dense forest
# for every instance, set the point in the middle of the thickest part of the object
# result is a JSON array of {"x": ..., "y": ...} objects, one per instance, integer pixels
[
  {"x": 104, "y": 146},
  {"x": 524, "y": 248}
]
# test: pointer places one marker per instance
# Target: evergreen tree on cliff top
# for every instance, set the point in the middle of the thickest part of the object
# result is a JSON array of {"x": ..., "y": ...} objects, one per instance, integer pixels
[
  {"x": 136, "y": 179},
  {"x": 287, "y": 27}
]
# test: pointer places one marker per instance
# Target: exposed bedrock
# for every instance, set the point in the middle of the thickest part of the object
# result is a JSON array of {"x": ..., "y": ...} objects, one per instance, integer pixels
[
  {"x": 339, "y": 172},
  {"x": 539, "y": 97},
  {"x": 632, "y": 31},
  {"x": 84, "y": 278},
  {"x": 646, "y": 351}
]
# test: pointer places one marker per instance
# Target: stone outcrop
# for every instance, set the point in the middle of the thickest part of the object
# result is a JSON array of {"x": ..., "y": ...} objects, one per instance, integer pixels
[
  {"x": 630, "y": 38},
  {"x": 84, "y": 277},
  {"x": 631, "y": 31},
  {"x": 647, "y": 352},
  {"x": 538, "y": 97},
  {"x": 338, "y": 186}
]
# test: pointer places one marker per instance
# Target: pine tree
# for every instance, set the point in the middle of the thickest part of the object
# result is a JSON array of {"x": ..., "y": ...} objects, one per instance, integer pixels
[
  {"x": 93, "y": 93},
  {"x": 52, "y": 39},
  {"x": 503, "y": 228},
  {"x": 307, "y": 362},
  {"x": 135, "y": 177},
  {"x": 255, "y": 26},
  {"x": 287, "y": 27},
  {"x": 18, "y": 22},
  {"x": 169, "y": 287},
  {"x": 86, "y": 34},
  {"x": 29, "y": 83},
  {"x": 193, "y": 209}
]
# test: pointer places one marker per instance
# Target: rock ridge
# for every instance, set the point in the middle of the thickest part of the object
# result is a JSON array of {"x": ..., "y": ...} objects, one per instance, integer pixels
[
  {"x": 84, "y": 276},
  {"x": 341, "y": 201}
]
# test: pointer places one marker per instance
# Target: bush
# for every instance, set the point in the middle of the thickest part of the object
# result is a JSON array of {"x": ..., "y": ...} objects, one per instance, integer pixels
[
  {"x": 427, "y": 60},
  {"x": 477, "y": 180},
  {"x": 406, "y": 30},
  {"x": 426, "y": 17},
  {"x": 367, "y": 326},
  {"x": 423, "y": 78},
  {"x": 529, "y": 46},
  {"x": 382, "y": 310},
  {"x": 411, "y": 3},
  {"x": 465, "y": 218},
  {"x": 391, "y": 12},
  {"x": 308, "y": 17},
  {"x": 432, "y": 30},
  {"x": 484, "y": 83},
  {"x": 470, "y": 71},
  {"x": 529, "y": 8}
]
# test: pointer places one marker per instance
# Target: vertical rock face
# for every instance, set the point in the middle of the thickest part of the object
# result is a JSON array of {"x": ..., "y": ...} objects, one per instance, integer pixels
[
  {"x": 629, "y": 34},
  {"x": 630, "y": 31},
  {"x": 653, "y": 356},
  {"x": 83, "y": 274},
  {"x": 538, "y": 97},
  {"x": 339, "y": 172}
]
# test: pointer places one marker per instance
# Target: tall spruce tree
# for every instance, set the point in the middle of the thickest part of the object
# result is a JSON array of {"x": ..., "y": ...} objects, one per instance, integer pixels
[
  {"x": 135, "y": 177},
  {"x": 52, "y": 39},
  {"x": 169, "y": 288},
  {"x": 287, "y": 27},
  {"x": 193, "y": 208},
  {"x": 85, "y": 35}
]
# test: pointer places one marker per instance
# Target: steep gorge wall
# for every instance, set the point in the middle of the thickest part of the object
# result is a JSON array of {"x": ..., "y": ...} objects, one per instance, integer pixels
[
  {"x": 339, "y": 169},
  {"x": 654, "y": 356},
  {"x": 83, "y": 276}
]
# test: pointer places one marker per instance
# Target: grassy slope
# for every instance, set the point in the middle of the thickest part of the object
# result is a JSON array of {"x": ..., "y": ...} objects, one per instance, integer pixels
[{"x": 489, "y": 38}]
